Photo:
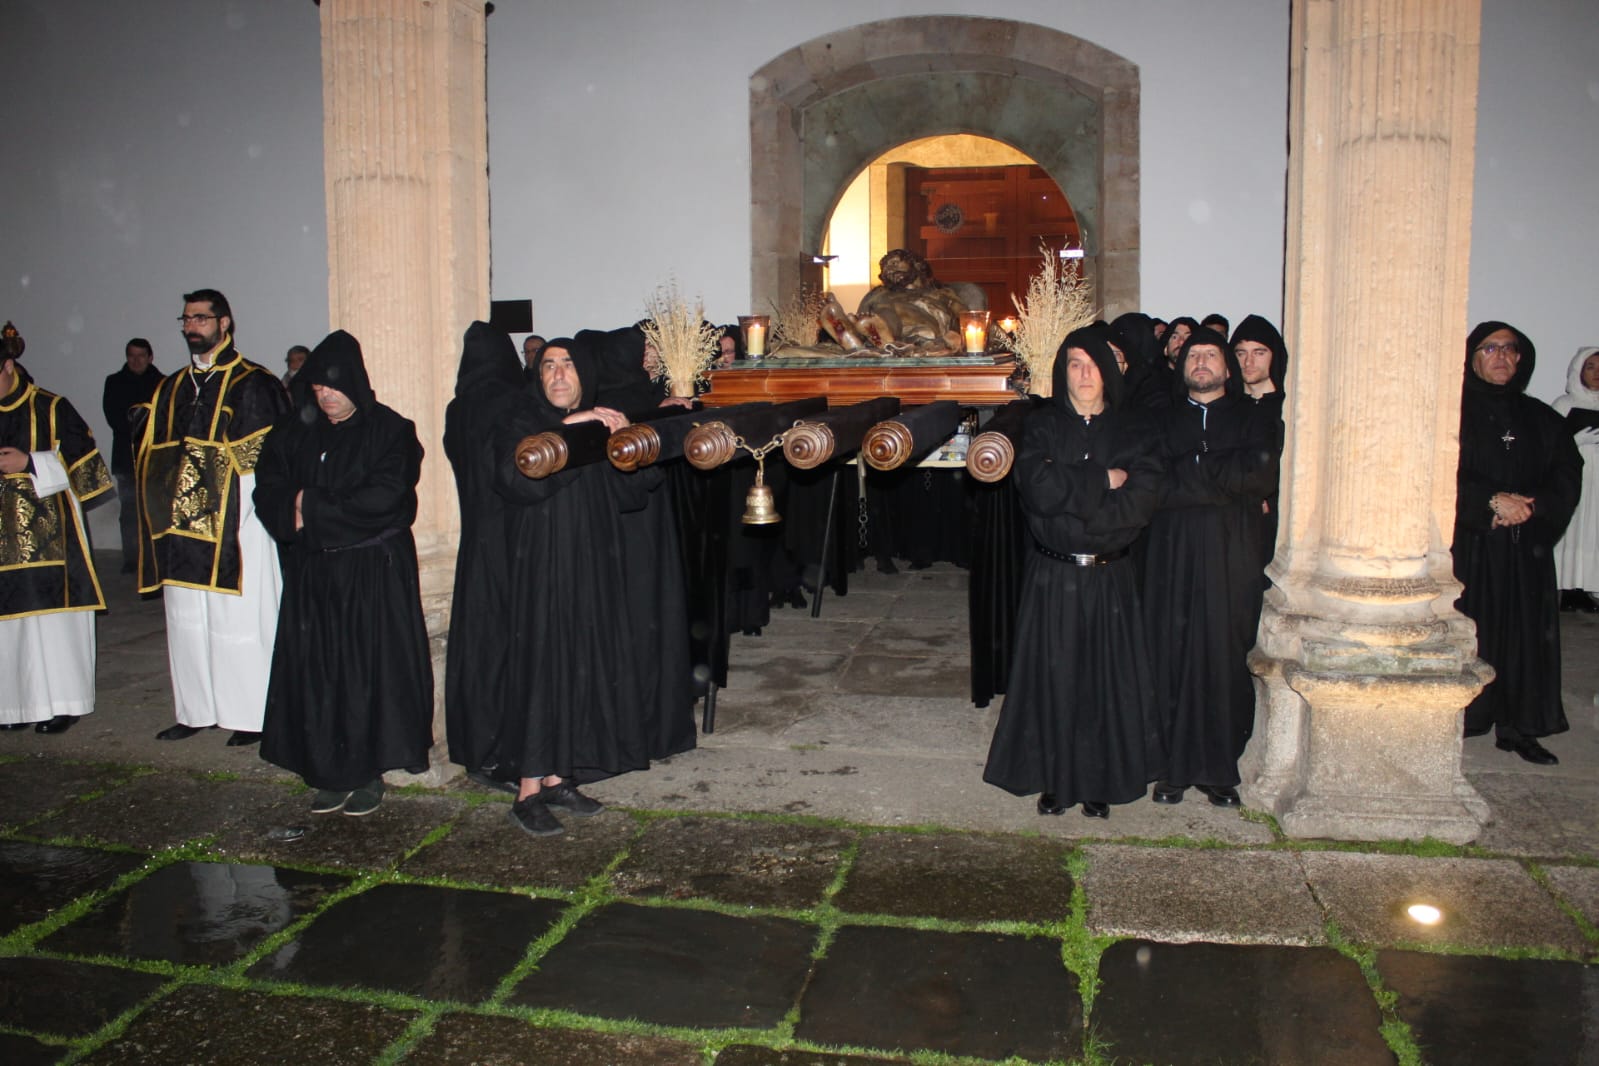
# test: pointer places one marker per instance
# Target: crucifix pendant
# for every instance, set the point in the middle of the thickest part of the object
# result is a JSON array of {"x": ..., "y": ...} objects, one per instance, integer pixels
[{"x": 1508, "y": 439}]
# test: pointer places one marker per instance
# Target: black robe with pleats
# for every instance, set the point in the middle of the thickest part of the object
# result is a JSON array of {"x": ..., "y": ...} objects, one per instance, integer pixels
[
  {"x": 351, "y": 692},
  {"x": 1078, "y": 719},
  {"x": 1510, "y": 442}
]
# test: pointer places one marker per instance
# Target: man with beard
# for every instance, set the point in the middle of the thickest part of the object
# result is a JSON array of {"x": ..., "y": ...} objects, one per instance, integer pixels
[
  {"x": 1263, "y": 363},
  {"x": 1203, "y": 571},
  {"x": 49, "y": 467},
  {"x": 134, "y": 384},
  {"x": 351, "y": 693},
  {"x": 1079, "y": 723},
  {"x": 200, "y": 539},
  {"x": 1182, "y": 327},
  {"x": 1520, "y": 476}
]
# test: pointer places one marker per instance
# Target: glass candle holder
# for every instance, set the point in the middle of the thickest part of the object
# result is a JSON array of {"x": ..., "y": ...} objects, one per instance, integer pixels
[
  {"x": 755, "y": 329},
  {"x": 974, "y": 330}
]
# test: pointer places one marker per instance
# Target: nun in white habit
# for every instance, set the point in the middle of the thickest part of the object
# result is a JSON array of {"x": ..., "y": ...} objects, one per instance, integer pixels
[{"x": 1577, "y": 554}]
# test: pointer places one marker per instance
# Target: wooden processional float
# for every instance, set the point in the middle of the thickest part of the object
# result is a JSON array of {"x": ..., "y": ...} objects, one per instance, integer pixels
[
  {"x": 992, "y": 451},
  {"x": 835, "y": 434},
  {"x": 910, "y": 435}
]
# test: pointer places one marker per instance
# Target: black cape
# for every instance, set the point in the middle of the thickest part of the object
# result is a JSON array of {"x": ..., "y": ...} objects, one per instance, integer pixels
[
  {"x": 1079, "y": 720},
  {"x": 488, "y": 385},
  {"x": 1258, "y": 329},
  {"x": 1510, "y": 442},
  {"x": 1202, "y": 575},
  {"x": 351, "y": 693}
]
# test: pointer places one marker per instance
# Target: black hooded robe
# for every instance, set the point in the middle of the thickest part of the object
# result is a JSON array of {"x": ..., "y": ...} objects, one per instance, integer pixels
[
  {"x": 1258, "y": 329},
  {"x": 351, "y": 693},
  {"x": 1202, "y": 574},
  {"x": 1079, "y": 717},
  {"x": 1510, "y": 442},
  {"x": 488, "y": 384}
]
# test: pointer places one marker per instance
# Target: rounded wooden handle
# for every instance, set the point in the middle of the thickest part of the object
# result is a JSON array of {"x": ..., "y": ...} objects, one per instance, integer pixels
[
  {"x": 541, "y": 455},
  {"x": 990, "y": 457},
  {"x": 633, "y": 446},
  {"x": 709, "y": 446},
  {"x": 887, "y": 445},
  {"x": 808, "y": 445}
]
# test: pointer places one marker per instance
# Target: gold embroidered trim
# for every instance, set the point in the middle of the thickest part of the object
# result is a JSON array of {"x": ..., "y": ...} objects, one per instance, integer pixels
[
  {"x": 185, "y": 488},
  {"x": 89, "y": 477},
  {"x": 30, "y": 528},
  {"x": 247, "y": 452}
]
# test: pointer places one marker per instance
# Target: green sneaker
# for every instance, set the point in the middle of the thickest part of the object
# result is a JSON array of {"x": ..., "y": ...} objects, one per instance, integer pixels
[{"x": 328, "y": 800}]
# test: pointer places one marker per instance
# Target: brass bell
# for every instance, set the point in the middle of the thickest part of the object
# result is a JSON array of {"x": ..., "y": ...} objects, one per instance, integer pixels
[{"x": 760, "y": 508}]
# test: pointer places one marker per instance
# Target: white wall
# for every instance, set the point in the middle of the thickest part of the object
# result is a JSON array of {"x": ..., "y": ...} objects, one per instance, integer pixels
[
  {"x": 152, "y": 148},
  {"x": 1535, "y": 217}
]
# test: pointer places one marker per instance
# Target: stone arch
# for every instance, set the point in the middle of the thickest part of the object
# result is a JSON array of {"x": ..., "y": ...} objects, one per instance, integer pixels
[{"x": 823, "y": 110}]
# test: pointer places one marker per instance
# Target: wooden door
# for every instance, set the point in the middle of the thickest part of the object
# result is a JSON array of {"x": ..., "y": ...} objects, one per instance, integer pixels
[{"x": 985, "y": 225}]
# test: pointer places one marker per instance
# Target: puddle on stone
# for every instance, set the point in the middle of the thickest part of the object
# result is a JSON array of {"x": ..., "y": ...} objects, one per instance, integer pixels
[
  {"x": 672, "y": 966},
  {"x": 976, "y": 994},
  {"x": 196, "y": 913},
  {"x": 438, "y": 943},
  {"x": 67, "y": 998},
  {"x": 1206, "y": 1003},
  {"x": 36, "y": 879},
  {"x": 18, "y": 1050},
  {"x": 761, "y": 864},
  {"x": 1477, "y": 1009}
]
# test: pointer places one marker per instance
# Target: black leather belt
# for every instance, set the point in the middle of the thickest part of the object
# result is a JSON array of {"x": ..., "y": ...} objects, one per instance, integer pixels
[{"x": 1077, "y": 559}]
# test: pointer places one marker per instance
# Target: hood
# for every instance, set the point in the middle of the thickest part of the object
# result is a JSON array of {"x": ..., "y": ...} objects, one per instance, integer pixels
[
  {"x": 588, "y": 374},
  {"x": 1529, "y": 359},
  {"x": 1260, "y": 331},
  {"x": 1201, "y": 335},
  {"x": 1135, "y": 336},
  {"x": 1095, "y": 340},
  {"x": 488, "y": 361},
  {"x": 336, "y": 363},
  {"x": 1576, "y": 392}
]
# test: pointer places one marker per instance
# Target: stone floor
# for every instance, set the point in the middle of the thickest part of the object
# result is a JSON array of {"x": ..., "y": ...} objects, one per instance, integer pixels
[{"x": 825, "y": 881}]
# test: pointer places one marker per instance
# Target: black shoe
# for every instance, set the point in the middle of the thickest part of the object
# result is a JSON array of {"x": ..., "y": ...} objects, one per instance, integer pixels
[
  {"x": 480, "y": 777},
  {"x": 1528, "y": 748},
  {"x": 1168, "y": 794},
  {"x": 1095, "y": 810},
  {"x": 1221, "y": 795},
  {"x": 243, "y": 738},
  {"x": 12, "y": 727},
  {"x": 1572, "y": 599},
  {"x": 569, "y": 799},
  {"x": 1476, "y": 730},
  {"x": 1047, "y": 804},
  {"x": 181, "y": 731},
  {"x": 364, "y": 800},
  {"x": 534, "y": 818},
  {"x": 329, "y": 800},
  {"x": 59, "y": 724}
]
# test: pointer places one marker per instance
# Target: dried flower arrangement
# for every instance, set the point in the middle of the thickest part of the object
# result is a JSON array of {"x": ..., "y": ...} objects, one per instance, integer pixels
[
  {"x": 1059, "y": 299},
  {"x": 680, "y": 344},
  {"x": 797, "y": 320}
]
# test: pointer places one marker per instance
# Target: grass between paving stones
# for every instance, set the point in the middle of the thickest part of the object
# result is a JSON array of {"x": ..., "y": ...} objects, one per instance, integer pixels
[
  {"x": 1395, "y": 1031},
  {"x": 1540, "y": 875}
]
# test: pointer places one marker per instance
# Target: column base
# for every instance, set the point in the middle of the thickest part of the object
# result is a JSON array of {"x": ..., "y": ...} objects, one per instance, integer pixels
[{"x": 1386, "y": 817}]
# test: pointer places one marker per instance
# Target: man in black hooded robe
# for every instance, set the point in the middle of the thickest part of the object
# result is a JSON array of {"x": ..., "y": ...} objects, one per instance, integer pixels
[
  {"x": 488, "y": 384},
  {"x": 1263, "y": 363},
  {"x": 1202, "y": 572},
  {"x": 351, "y": 691},
  {"x": 1079, "y": 724},
  {"x": 1519, "y": 480}
]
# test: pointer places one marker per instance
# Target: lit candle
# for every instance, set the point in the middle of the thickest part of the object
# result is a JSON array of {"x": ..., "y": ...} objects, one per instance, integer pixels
[
  {"x": 754, "y": 327},
  {"x": 1008, "y": 324},
  {"x": 974, "y": 328}
]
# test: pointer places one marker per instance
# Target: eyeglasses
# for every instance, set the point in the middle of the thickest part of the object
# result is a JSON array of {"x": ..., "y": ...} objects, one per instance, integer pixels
[
  {"x": 1510, "y": 349},
  {"x": 198, "y": 320}
]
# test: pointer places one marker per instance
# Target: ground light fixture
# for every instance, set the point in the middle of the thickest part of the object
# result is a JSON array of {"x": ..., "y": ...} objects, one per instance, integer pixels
[{"x": 1425, "y": 913}]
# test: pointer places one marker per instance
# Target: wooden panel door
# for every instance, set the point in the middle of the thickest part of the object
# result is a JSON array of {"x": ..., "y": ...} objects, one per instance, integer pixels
[{"x": 985, "y": 225}]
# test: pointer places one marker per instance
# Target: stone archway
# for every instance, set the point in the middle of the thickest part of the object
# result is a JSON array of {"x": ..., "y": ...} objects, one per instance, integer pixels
[{"x": 821, "y": 111}]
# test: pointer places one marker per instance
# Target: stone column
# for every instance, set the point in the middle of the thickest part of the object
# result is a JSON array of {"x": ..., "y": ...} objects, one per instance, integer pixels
[
  {"x": 405, "y": 144},
  {"x": 1363, "y": 664}
]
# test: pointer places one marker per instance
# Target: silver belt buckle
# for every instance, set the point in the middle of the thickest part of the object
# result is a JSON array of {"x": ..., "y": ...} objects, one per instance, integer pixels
[{"x": 1084, "y": 560}]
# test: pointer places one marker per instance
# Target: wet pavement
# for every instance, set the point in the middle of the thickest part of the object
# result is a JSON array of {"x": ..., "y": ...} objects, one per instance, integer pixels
[{"x": 178, "y": 903}]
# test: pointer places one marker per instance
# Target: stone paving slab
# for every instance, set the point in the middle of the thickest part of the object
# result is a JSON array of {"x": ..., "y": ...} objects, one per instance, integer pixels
[
  {"x": 1202, "y": 1004},
  {"x": 1486, "y": 903},
  {"x": 215, "y": 1025},
  {"x": 794, "y": 673},
  {"x": 761, "y": 864},
  {"x": 1537, "y": 815},
  {"x": 484, "y": 847},
  {"x": 894, "y": 675},
  {"x": 862, "y": 604},
  {"x": 18, "y": 1050},
  {"x": 920, "y": 638},
  {"x": 161, "y": 811},
  {"x": 461, "y": 1039},
  {"x": 196, "y": 913},
  {"x": 33, "y": 786},
  {"x": 1579, "y": 885},
  {"x": 1466, "y": 1011},
  {"x": 61, "y": 998},
  {"x": 674, "y": 966},
  {"x": 438, "y": 943},
  {"x": 39, "y": 879},
  {"x": 1179, "y": 895},
  {"x": 959, "y": 877},
  {"x": 751, "y": 1055},
  {"x": 374, "y": 842},
  {"x": 975, "y": 994},
  {"x": 880, "y": 724}
]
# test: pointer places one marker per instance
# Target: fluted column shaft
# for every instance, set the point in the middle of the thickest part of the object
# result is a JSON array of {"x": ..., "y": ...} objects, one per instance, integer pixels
[{"x": 1364, "y": 663}]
